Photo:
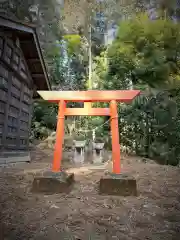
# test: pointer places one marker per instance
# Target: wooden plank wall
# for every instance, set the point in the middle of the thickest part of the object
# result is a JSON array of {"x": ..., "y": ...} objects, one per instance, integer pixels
[{"x": 16, "y": 89}]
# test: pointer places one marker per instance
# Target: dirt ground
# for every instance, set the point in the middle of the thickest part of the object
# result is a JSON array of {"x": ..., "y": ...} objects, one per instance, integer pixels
[{"x": 83, "y": 214}]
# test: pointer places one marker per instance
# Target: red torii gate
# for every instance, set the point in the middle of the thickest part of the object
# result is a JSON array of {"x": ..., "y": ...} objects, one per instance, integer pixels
[{"x": 62, "y": 97}]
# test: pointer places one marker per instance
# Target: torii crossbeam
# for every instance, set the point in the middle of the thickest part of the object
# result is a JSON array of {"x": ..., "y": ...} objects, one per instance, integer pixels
[{"x": 62, "y": 97}]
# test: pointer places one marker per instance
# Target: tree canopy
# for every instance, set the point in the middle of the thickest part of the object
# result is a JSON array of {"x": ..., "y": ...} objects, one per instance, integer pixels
[{"x": 146, "y": 52}]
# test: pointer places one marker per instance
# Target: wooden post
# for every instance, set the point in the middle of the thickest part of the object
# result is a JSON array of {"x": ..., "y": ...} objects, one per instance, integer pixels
[
  {"x": 59, "y": 137},
  {"x": 115, "y": 137}
]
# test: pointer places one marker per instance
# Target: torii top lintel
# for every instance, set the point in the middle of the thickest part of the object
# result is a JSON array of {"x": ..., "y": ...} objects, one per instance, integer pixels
[{"x": 89, "y": 96}]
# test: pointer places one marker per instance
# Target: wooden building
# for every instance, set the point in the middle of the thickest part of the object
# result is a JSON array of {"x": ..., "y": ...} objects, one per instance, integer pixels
[{"x": 22, "y": 72}]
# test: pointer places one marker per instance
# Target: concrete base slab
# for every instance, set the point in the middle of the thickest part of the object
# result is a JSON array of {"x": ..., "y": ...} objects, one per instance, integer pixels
[
  {"x": 52, "y": 182},
  {"x": 118, "y": 184},
  {"x": 14, "y": 157}
]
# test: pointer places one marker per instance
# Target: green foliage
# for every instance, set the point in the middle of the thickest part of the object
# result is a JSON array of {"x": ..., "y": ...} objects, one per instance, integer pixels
[
  {"x": 100, "y": 70},
  {"x": 73, "y": 43},
  {"x": 79, "y": 137},
  {"x": 96, "y": 121},
  {"x": 66, "y": 66},
  {"x": 150, "y": 127},
  {"x": 44, "y": 119},
  {"x": 146, "y": 52},
  {"x": 38, "y": 131}
]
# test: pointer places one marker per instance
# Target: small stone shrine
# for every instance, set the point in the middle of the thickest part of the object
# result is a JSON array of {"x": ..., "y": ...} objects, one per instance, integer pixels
[
  {"x": 98, "y": 149},
  {"x": 79, "y": 151}
]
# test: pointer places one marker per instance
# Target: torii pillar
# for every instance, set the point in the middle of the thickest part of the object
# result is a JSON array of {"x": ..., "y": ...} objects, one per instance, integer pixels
[{"x": 111, "y": 183}]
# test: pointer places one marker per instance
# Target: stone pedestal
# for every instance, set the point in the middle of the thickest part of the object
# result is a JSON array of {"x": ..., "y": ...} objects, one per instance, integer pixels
[
  {"x": 79, "y": 151},
  {"x": 98, "y": 152},
  {"x": 118, "y": 184},
  {"x": 52, "y": 182}
]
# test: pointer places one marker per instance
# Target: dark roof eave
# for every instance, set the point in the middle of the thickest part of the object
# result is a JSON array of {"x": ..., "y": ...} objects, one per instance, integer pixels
[
  {"x": 31, "y": 29},
  {"x": 17, "y": 25},
  {"x": 36, "y": 39}
]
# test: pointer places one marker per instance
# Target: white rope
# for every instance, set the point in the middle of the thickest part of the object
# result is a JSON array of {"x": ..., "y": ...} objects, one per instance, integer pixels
[{"x": 94, "y": 129}]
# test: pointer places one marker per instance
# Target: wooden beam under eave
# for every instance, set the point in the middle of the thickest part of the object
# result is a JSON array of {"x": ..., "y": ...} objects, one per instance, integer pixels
[
  {"x": 27, "y": 41},
  {"x": 33, "y": 60},
  {"x": 37, "y": 75}
]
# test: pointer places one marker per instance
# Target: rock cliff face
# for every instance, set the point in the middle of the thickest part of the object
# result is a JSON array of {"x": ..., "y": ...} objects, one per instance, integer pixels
[{"x": 75, "y": 15}]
